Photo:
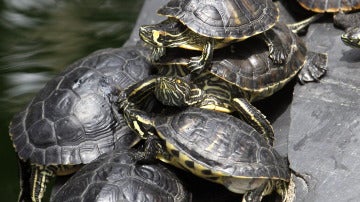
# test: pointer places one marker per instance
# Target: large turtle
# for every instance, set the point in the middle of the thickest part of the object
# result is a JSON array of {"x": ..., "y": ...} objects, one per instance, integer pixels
[
  {"x": 73, "y": 120},
  {"x": 206, "y": 25},
  {"x": 348, "y": 21},
  {"x": 119, "y": 176},
  {"x": 235, "y": 78},
  {"x": 215, "y": 146}
]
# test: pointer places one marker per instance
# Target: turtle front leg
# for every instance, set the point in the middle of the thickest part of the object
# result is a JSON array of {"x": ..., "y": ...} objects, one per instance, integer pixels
[
  {"x": 278, "y": 50},
  {"x": 254, "y": 117},
  {"x": 197, "y": 64},
  {"x": 40, "y": 176},
  {"x": 138, "y": 120}
]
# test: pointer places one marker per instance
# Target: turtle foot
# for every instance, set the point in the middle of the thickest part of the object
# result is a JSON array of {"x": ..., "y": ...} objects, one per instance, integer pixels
[
  {"x": 278, "y": 54},
  {"x": 314, "y": 68}
]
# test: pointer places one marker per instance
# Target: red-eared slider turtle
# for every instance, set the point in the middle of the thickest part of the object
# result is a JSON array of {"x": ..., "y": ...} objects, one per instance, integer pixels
[
  {"x": 215, "y": 146},
  {"x": 206, "y": 25},
  {"x": 117, "y": 176},
  {"x": 236, "y": 78},
  {"x": 73, "y": 120},
  {"x": 349, "y": 21}
]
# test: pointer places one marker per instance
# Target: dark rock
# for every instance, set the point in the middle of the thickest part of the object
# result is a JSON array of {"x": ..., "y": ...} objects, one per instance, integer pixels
[{"x": 323, "y": 145}]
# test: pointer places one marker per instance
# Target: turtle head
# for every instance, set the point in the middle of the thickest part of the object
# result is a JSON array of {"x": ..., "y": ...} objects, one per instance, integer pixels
[
  {"x": 168, "y": 33},
  {"x": 175, "y": 91},
  {"x": 352, "y": 37}
]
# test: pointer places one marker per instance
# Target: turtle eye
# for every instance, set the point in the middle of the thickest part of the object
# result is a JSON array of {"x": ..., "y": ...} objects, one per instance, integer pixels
[{"x": 178, "y": 81}]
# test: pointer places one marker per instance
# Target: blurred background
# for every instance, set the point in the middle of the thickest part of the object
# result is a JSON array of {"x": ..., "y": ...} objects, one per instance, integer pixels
[{"x": 38, "y": 39}]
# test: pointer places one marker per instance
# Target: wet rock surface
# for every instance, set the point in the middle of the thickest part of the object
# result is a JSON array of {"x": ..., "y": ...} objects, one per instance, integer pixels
[{"x": 324, "y": 132}]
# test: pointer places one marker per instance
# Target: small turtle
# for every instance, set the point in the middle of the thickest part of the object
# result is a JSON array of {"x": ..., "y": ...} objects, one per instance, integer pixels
[
  {"x": 235, "y": 78},
  {"x": 118, "y": 176},
  {"x": 215, "y": 146},
  {"x": 73, "y": 120},
  {"x": 206, "y": 25},
  {"x": 349, "y": 21}
]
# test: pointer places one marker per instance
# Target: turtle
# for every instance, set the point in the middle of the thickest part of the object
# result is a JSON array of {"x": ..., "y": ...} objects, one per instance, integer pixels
[
  {"x": 119, "y": 176},
  {"x": 233, "y": 79},
  {"x": 73, "y": 119},
  {"x": 212, "y": 145},
  {"x": 350, "y": 22},
  {"x": 204, "y": 25}
]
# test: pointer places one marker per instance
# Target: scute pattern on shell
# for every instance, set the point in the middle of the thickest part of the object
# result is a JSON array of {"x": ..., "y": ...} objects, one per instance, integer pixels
[
  {"x": 116, "y": 177},
  {"x": 221, "y": 143},
  {"x": 70, "y": 120},
  {"x": 237, "y": 19},
  {"x": 322, "y": 6}
]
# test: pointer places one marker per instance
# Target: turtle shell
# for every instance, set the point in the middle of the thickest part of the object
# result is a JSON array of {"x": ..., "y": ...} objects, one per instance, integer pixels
[
  {"x": 235, "y": 19},
  {"x": 216, "y": 145},
  {"x": 321, "y": 6},
  {"x": 71, "y": 121},
  {"x": 116, "y": 176},
  {"x": 253, "y": 71}
]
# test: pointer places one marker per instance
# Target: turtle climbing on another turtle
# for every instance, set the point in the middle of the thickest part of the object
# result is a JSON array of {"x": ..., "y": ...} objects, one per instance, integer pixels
[
  {"x": 207, "y": 25},
  {"x": 349, "y": 21},
  {"x": 119, "y": 176},
  {"x": 212, "y": 145},
  {"x": 73, "y": 119}
]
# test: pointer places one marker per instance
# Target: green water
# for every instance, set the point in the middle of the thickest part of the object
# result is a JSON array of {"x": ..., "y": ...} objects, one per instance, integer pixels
[{"x": 38, "y": 38}]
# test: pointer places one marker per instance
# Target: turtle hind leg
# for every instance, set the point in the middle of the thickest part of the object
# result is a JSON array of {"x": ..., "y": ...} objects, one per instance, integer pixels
[
  {"x": 40, "y": 176},
  {"x": 25, "y": 172},
  {"x": 301, "y": 25},
  {"x": 314, "y": 68}
]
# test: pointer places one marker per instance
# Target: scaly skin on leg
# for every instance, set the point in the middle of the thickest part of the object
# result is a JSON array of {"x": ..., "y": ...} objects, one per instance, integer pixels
[{"x": 197, "y": 64}]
